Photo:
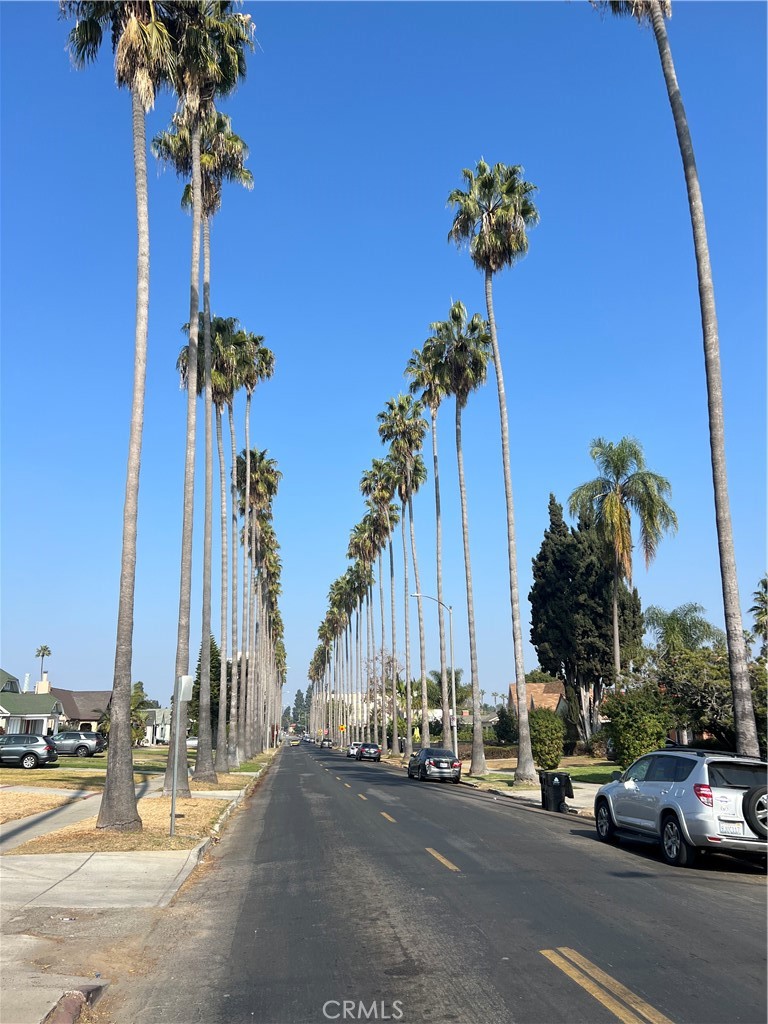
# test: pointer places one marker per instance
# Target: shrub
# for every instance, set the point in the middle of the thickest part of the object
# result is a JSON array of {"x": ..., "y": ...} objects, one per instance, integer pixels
[
  {"x": 547, "y": 733},
  {"x": 597, "y": 745},
  {"x": 639, "y": 722},
  {"x": 506, "y": 727}
]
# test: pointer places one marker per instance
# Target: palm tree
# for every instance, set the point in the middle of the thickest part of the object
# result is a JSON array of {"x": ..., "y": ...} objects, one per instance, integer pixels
[
  {"x": 211, "y": 42},
  {"x": 623, "y": 487},
  {"x": 465, "y": 351},
  {"x": 402, "y": 424},
  {"x": 683, "y": 628},
  {"x": 760, "y": 612},
  {"x": 492, "y": 217},
  {"x": 222, "y": 157},
  {"x": 144, "y": 59},
  {"x": 42, "y": 652},
  {"x": 654, "y": 12},
  {"x": 424, "y": 370}
]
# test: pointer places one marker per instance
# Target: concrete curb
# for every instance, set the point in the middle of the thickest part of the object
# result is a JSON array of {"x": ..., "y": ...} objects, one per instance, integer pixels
[{"x": 69, "y": 1007}]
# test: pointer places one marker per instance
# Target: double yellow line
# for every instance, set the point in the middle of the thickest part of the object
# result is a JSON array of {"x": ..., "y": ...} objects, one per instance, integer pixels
[{"x": 604, "y": 988}]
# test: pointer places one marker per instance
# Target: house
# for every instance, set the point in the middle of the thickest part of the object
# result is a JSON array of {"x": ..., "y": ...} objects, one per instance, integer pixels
[
  {"x": 543, "y": 695},
  {"x": 157, "y": 722},
  {"x": 37, "y": 713},
  {"x": 83, "y": 709}
]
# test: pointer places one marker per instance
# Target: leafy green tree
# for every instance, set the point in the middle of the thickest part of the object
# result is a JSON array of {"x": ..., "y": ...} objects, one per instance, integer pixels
[
  {"x": 213, "y": 666},
  {"x": 683, "y": 628},
  {"x": 653, "y": 12},
  {"x": 434, "y": 689},
  {"x": 759, "y": 611},
  {"x": 623, "y": 487},
  {"x": 144, "y": 60},
  {"x": 492, "y": 217},
  {"x": 506, "y": 728},
  {"x": 42, "y": 652},
  {"x": 639, "y": 720},
  {"x": 547, "y": 734},
  {"x": 571, "y": 602}
]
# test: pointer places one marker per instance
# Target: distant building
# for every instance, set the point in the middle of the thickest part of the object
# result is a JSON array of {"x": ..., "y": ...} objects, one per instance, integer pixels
[{"x": 36, "y": 713}]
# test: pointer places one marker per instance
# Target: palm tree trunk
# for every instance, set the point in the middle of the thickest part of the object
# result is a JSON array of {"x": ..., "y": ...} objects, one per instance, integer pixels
[
  {"x": 743, "y": 709},
  {"x": 525, "y": 770},
  {"x": 422, "y": 640},
  {"x": 444, "y": 698},
  {"x": 185, "y": 588},
  {"x": 395, "y": 737},
  {"x": 408, "y": 709},
  {"x": 118, "y": 804},
  {"x": 252, "y": 710},
  {"x": 478, "y": 766},
  {"x": 244, "y": 633},
  {"x": 383, "y": 656},
  {"x": 233, "y": 759},
  {"x": 616, "y": 640},
  {"x": 222, "y": 762},
  {"x": 204, "y": 770}
]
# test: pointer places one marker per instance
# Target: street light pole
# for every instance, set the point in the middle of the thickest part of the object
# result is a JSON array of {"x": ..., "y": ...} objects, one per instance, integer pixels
[{"x": 454, "y": 729}]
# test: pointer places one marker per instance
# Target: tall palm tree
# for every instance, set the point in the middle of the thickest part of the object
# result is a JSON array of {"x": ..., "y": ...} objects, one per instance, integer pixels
[
  {"x": 466, "y": 349},
  {"x": 654, "y": 12},
  {"x": 42, "y": 652},
  {"x": 403, "y": 426},
  {"x": 424, "y": 370},
  {"x": 211, "y": 42},
  {"x": 378, "y": 484},
  {"x": 222, "y": 156},
  {"x": 144, "y": 59},
  {"x": 623, "y": 487},
  {"x": 492, "y": 216}
]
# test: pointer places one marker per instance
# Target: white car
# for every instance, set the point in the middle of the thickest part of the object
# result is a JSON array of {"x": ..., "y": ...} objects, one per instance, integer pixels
[{"x": 353, "y": 748}]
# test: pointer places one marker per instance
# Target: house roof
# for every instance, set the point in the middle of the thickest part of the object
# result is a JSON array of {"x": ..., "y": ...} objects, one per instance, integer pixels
[
  {"x": 30, "y": 703},
  {"x": 80, "y": 704},
  {"x": 6, "y": 677}
]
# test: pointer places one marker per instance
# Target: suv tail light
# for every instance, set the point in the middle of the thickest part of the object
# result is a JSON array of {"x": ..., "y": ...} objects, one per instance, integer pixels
[
  {"x": 704, "y": 793},
  {"x": 456, "y": 764}
]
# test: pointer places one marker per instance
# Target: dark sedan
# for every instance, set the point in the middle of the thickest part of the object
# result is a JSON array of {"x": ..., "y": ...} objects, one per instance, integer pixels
[
  {"x": 434, "y": 763},
  {"x": 368, "y": 752}
]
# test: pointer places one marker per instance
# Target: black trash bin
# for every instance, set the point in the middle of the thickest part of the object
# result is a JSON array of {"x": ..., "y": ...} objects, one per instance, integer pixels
[
  {"x": 555, "y": 787},
  {"x": 401, "y": 743}
]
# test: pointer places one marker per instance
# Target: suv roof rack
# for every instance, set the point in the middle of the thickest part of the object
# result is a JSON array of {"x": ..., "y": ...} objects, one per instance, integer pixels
[{"x": 708, "y": 752}]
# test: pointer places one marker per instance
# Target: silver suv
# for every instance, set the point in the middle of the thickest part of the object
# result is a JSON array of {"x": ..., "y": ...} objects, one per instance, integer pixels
[
  {"x": 27, "y": 750},
  {"x": 81, "y": 744},
  {"x": 688, "y": 800}
]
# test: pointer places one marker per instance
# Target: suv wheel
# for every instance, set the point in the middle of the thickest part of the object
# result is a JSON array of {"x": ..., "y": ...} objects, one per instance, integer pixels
[
  {"x": 675, "y": 848},
  {"x": 82, "y": 752},
  {"x": 756, "y": 810},
  {"x": 606, "y": 830},
  {"x": 29, "y": 761}
]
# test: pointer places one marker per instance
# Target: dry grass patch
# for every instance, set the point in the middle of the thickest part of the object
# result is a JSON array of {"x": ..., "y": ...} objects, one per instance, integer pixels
[
  {"x": 21, "y": 805},
  {"x": 57, "y": 778},
  {"x": 197, "y": 819},
  {"x": 231, "y": 781}
]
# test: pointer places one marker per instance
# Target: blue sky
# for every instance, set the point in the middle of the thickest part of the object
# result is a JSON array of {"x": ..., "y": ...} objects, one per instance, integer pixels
[{"x": 359, "y": 118}]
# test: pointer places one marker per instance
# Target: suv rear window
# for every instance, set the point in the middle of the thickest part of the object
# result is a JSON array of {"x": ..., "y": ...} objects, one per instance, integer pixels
[{"x": 727, "y": 775}]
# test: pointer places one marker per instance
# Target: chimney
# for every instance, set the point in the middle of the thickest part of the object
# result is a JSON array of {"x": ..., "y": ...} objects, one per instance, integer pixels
[{"x": 43, "y": 686}]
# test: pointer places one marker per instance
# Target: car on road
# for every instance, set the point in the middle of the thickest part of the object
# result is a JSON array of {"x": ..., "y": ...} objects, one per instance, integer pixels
[
  {"x": 688, "y": 800},
  {"x": 27, "y": 750},
  {"x": 79, "y": 743},
  {"x": 326, "y": 743},
  {"x": 368, "y": 752},
  {"x": 434, "y": 763},
  {"x": 353, "y": 748}
]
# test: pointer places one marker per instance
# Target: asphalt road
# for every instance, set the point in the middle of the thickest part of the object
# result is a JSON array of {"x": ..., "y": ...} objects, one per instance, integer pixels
[{"x": 343, "y": 891}]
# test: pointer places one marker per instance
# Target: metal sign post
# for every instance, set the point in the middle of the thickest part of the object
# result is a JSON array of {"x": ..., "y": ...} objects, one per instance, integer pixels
[{"x": 182, "y": 691}]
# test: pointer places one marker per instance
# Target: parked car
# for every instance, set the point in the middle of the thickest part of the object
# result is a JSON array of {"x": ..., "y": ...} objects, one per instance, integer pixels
[
  {"x": 368, "y": 752},
  {"x": 353, "y": 748},
  {"x": 326, "y": 743},
  {"x": 688, "y": 800},
  {"x": 27, "y": 750},
  {"x": 434, "y": 763},
  {"x": 79, "y": 744}
]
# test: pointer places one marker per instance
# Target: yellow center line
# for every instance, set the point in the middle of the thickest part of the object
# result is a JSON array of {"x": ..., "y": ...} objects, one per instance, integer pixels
[
  {"x": 387, "y": 816},
  {"x": 616, "y": 987},
  {"x": 347, "y": 785},
  {"x": 442, "y": 859},
  {"x": 362, "y": 797},
  {"x": 592, "y": 987}
]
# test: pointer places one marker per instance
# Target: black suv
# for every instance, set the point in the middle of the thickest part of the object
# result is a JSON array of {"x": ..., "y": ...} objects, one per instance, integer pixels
[
  {"x": 80, "y": 744},
  {"x": 27, "y": 750}
]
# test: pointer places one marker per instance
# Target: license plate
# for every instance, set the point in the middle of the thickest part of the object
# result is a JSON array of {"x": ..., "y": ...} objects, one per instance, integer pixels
[
  {"x": 442, "y": 764},
  {"x": 731, "y": 828}
]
